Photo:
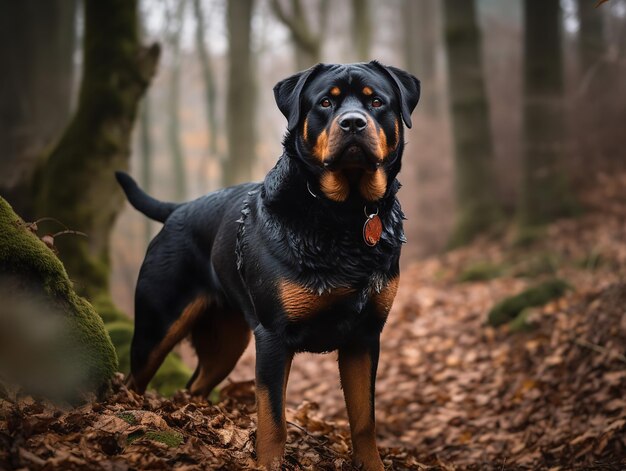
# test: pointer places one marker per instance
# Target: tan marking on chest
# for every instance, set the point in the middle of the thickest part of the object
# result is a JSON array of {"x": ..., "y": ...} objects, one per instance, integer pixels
[
  {"x": 373, "y": 185},
  {"x": 300, "y": 303},
  {"x": 384, "y": 300},
  {"x": 335, "y": 186}
]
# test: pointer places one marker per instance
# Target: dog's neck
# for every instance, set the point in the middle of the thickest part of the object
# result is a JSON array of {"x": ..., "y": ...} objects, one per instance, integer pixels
[{"x": 291, "y": 187}]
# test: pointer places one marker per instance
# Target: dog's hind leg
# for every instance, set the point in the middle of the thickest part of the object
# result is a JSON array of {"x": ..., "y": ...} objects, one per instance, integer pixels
[
  {"x": 159, "y": 326},
  {"x": 219, "y": 337}
]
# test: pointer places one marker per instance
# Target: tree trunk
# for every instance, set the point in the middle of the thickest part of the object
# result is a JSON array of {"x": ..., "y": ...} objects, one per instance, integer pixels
[
  {"x": 145, "y": 141},
  {"x": 37, "y": 41},
  {"x": 77, "y": 185},
  {"x": 595, "y": 97},
  {"x": 241, "y": 98},
  {"x": 591, "y": 44},
  {"x": 477, "y": 205},
  {"x": 545, "y": 194},
  {"x": 173, "y": 104},
  {"x": 421, "y": 43},
  {"x": 208, "y": 77},
  {"x": 361, "y": 29}
]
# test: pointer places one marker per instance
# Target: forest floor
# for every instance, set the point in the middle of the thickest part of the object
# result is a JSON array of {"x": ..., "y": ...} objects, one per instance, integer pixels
[{"x": 452, "y": 392}]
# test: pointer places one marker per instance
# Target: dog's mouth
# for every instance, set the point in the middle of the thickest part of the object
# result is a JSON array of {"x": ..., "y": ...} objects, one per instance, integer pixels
[{"x": 353, "y": 156}]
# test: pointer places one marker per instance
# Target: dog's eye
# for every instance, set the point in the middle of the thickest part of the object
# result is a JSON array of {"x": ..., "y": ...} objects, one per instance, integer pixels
[
  {"x": 377, "y": 103},
  {"x": 325, "y": 103}
]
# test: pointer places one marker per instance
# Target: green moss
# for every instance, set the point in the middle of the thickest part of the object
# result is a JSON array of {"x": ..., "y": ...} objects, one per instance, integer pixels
[
  {"x": 507, "y": 309},
  {"x": 521, "y": 322},
  {"x": 480, "y": 271},
  {"x": 542, "y": 264},
  {"x": 172, "y": 376},
  {"x": 528, "y": 235},
  {"x": 134, "y": 436},
  {"x": 214, "y": 396},
  {"x": 127, "y": 417},
  {"x": 24, "y": 255},
  {"x": 591, "y": 261},
  {"x": 123, "y": 356},
  {"x": 103, "y": 304},
  {"x": 121, "y": 333},
  {"x": 170, "y": 437}
]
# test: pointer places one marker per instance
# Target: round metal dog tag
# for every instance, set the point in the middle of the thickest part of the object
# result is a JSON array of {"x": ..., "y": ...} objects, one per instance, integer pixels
[{"x": 372, "y": 230}]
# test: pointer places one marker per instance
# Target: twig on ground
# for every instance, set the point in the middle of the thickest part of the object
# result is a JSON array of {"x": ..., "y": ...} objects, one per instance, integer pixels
[{"x": 598, "y": 349}]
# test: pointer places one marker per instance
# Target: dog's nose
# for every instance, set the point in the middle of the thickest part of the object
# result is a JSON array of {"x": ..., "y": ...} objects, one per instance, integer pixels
[{"x": 353, "y": 122}]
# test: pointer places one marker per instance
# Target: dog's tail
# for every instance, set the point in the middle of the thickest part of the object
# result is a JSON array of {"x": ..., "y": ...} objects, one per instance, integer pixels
[{"x": 141, "y": 201}]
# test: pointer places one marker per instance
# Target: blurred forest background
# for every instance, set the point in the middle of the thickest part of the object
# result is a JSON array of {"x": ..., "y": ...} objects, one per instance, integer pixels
[
  {"x": 521, "y": 102},
  {"x": 515, "y": 160}
]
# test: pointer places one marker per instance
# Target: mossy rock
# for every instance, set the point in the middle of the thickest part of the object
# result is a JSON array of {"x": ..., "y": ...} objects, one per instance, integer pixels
[
  {"x": 480, "y": 271},
  {"x": 507, "y": 309},
  {"x": 58, "y": 335}
]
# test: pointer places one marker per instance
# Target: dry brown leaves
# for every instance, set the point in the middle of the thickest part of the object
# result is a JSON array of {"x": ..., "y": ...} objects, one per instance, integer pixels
[
  {"x": 452, "y": 393},
  {"x": 128, "y": 431}
]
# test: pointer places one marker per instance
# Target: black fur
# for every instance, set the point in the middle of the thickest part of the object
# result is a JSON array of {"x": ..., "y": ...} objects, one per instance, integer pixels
[
  {"x": 238, "y": 244},
  {"x": 153, "y": 208}
]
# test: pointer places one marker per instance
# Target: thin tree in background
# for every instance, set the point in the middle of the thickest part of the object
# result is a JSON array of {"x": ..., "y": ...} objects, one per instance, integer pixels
[
  {"x": 421, "y": 43},
  {"x": 77, "y": 184},
  {"x": 594, "y": 99},
  {"x": 37, "y": 44},
  {"x": 362, "y": 29},
  {"x": 241, "y": 99},
  {"x": 208, "y": 77},
  {"x": 591, "y": 45},
  {"x": 307, "y": 41},
  {"x": 175, "y": 25},
  {"x": 145, "y": 139},
  {"x": 477, "y": 205},
  {"x": 145, "y": 125},
  {"x": 545, "y": 194}
]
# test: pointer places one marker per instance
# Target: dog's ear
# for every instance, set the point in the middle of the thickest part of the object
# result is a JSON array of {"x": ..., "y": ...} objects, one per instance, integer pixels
[
  {"x": 407, "y": 86},
  {"x": 288, "y": 92}
]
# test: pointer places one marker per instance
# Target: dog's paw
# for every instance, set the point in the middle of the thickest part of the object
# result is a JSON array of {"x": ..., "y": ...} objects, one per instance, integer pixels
[{"x": 369, "y": 461}]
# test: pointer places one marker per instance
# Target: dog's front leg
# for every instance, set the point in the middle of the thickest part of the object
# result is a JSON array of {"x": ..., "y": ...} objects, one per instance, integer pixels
[
  {"x": 273, "y": 362},
  {"x": 357, "y": 368}
]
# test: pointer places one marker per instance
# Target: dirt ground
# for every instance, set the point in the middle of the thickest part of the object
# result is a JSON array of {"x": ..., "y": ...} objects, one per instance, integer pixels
[{"x": 452, "y": 392}]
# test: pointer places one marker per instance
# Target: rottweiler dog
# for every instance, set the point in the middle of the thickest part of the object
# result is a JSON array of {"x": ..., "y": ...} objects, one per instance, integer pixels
[{"x": 307, "y": 260}]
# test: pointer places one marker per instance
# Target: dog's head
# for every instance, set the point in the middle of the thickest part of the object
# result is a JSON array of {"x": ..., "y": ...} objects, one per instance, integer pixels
[{"x": 345, "y": 125}]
